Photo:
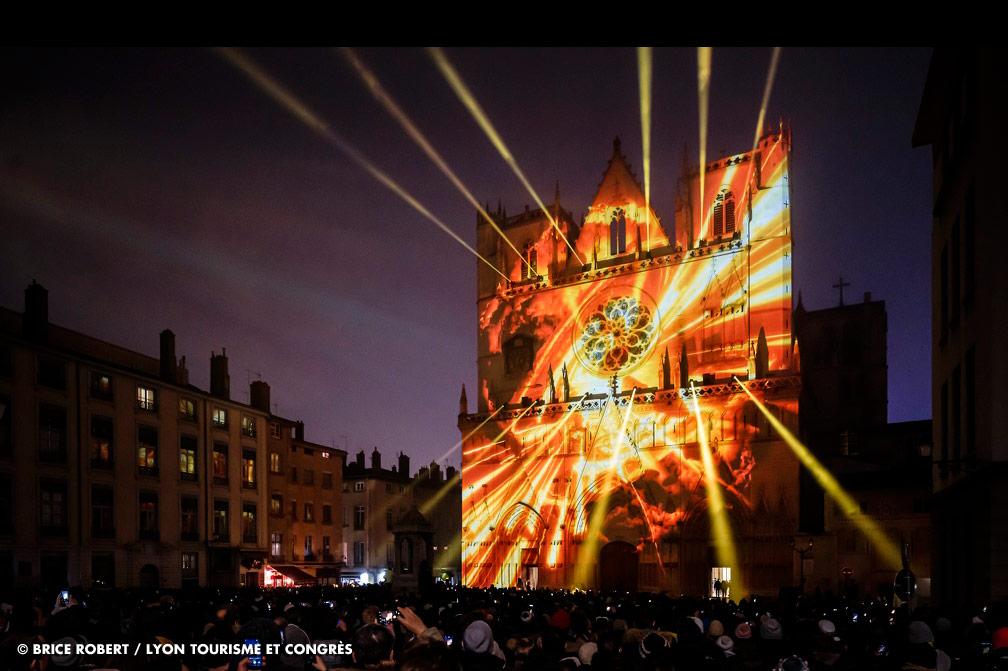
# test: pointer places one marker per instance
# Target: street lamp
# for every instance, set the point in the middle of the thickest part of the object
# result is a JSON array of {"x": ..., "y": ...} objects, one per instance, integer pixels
[{"x": 801, "y": 553}]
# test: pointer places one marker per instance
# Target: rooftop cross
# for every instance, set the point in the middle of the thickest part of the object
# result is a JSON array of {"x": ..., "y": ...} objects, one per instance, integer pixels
[{"x": 840, "y": 285}]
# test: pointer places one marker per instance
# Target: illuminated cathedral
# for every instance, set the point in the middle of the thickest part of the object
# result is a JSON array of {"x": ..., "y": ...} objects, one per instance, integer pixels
[{"x": 609, "y": 401}]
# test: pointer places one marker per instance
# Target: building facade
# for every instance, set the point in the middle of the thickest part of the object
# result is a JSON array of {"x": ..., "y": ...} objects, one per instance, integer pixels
[
  {"x": 843, "y": 420},
  {"x": 374, "y": 499},
  {"x": 115, "y": 471},
  {"x": 961, "y": 117},
  {"x": 304, "y": 524},
  {"x": 607, "y": 366},
  {"x": 378, "y": 501}
]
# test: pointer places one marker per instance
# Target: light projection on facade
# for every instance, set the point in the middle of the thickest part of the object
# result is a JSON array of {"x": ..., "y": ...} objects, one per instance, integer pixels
[{"x": 590, "y": 473}]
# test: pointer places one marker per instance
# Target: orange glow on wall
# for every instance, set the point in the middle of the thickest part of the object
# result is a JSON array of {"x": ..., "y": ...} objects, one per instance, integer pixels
[{"x": 601, "y": 351}]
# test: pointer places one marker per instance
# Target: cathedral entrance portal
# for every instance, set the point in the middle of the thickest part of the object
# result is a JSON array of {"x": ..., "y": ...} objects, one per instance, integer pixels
[{"x": 618, "y": 567}]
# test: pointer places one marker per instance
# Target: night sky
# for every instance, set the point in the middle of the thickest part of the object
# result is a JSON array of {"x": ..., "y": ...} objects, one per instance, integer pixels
[{"x": 160, "y": 189}]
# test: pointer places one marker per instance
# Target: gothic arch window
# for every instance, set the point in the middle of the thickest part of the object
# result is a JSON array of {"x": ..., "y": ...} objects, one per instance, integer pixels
[
  {"x": 723, "y": 218},
  {"x": 729, "y": 213},
  {"x": 617, "y": 232},
  {"x": 532, "y": 260},
  {"x": 518, "y": 355}
]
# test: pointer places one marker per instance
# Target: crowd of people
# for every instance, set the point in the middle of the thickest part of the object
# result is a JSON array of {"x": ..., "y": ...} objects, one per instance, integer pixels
[{"x": 461, "y": 629}]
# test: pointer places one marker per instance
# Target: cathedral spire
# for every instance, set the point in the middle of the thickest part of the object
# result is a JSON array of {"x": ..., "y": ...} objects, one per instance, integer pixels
[
  {"x": 565, "y": 382},
  {"x": 552, "y": 386},
  {"x": 463, "y": 402}
]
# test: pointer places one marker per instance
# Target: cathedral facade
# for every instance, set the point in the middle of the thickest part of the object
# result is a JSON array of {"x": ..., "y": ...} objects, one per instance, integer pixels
[{"x": 610, "y": 360}]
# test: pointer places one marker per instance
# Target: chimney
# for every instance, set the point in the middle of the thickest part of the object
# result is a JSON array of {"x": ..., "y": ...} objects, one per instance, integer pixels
[
  {"x": 36, "y": 313},
  {"x": 867, "y": 297},
  {"x": 220, "y": 381},
  {"x": 298, "y": 427},
  {"x": 169, "y": 372},
  {"x": 259, "y": 396},
  {"x": 403, "y": 464},
  {"x": 376, "y": 459},
  {"x": 360, "y": 460}
]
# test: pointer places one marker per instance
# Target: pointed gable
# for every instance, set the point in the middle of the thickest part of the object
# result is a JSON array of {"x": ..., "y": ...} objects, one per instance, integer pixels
[{"x": 619, "y": 214}]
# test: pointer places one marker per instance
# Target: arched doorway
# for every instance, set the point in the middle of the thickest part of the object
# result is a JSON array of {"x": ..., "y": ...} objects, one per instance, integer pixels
[
  {"x": 618, "y": 567},
  {"x": 149, "y": 577}
]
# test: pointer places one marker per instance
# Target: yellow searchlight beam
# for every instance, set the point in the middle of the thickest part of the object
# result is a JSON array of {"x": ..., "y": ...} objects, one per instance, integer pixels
[
  {"x": 724, "y": 544},
  {"x": 890, "y": 551}
]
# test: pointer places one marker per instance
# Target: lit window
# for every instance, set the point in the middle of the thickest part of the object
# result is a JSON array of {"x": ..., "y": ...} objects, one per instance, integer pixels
[
  {"x": 187, "y": 457},
  {"x": 220, "y": 418},
  {"x": 187, "y": 409},
  {"x": 189, "y": 521},
  {"x": 359, "y": 553},
  {"x": 275, "y": 465},
  {"x": 358, "y": 487},
  {"x": 147, "y": 398},
  {"x": 101, "y": 386},
  {"x": 248, "y": 469},
  {"x": 248, "y": 523},
  {"x": 148, "y": 515},
  {"x": 309, "y": 512},
  {"x": 276, "y": 544},
  {"x": 276, "y": 504},
  {"x": 220, "y": 463},
  {"x": 147, "y": 447},
  {"x": 220, "y": 521},
  {"x": 248, "y": 426},
  {"x": 101, "y": 441},
  {"x": 308, "y": 547}
]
